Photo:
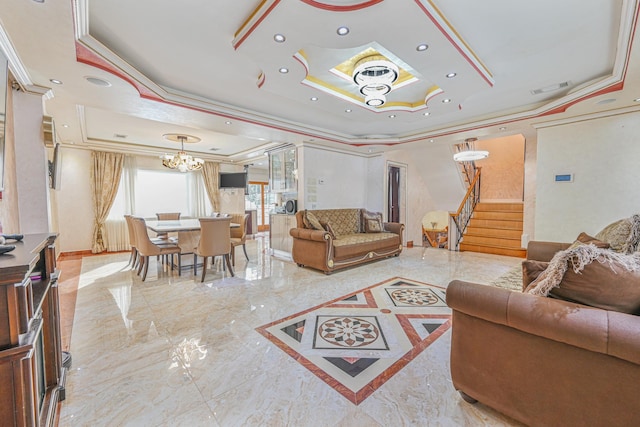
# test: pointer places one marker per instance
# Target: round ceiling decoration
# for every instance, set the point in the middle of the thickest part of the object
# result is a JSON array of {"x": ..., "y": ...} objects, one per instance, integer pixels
[{"x": 375, "y": 76}]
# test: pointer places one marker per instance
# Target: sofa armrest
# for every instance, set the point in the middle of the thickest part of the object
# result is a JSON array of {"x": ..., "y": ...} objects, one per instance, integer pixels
[
  {"x": 393, "y": 227},
  {"x": 309, "y": 234},
  {"x": 544, "y": 251},
  {"x": 589, "y": 328}
]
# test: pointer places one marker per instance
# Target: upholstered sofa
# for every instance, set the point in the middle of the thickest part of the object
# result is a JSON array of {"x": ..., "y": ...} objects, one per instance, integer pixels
[
  {"x": 332, "y": 239},
  {"x": 548, "y": 361}
]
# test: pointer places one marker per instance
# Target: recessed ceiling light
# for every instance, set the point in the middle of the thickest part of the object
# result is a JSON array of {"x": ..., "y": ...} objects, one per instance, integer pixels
[
  {"x": 284, "y": 70},
  {"x": 119, "y": 135},
  {"x": 392, "y": 116},
  {"x": 65, "y": 126},
  {"x": 451, "y": 75},
  {"x": 446, "y": 101},
  {"x": 369, "y": 150},
  {"x": 279, "y": 38},
  {"x": 314, "y": 98},
  {"x": 348, "y": 110},
  {"x": 227, "y": 122},
  {"x": 55, "y": 81},
  {"x": 97, "y": 81},
  {"x": 636, "y": 100},
  {"x": 502, "y": 128},
  {"x": 426, "y": 113},
  {"x": 342, "y": 31},
  {"x": 422, "y": 47},
  {"x": 431, "y": 140}
]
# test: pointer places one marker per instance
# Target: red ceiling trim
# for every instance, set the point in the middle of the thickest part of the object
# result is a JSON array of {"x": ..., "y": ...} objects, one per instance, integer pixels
[
  {"x": 456, "y": 45},
  {"x": 336, "y": 8},
  {"x": 255, "y": 25}
]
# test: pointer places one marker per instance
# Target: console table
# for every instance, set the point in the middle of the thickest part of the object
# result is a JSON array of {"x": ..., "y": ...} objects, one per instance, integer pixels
[{"x": 32, "y": 376}]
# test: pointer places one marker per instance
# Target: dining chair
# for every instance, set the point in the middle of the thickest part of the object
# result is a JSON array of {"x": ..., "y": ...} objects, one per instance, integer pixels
[
  {"x": 215, "y": 239},
  {"x": 166, "y": 216},
  {"x": 187, "y": 242},
  {"x": 239, "y": 235},
  {"x": 134, "y": 259},
  {"x": 147, "y": 248}
]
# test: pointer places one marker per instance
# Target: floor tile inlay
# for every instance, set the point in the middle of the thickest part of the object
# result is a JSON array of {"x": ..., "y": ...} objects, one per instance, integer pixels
[{"x": 357, "y": 342}]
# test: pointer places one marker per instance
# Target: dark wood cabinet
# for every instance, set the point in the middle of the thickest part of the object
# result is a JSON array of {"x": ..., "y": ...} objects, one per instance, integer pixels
[{"x": 32, "y": 375}]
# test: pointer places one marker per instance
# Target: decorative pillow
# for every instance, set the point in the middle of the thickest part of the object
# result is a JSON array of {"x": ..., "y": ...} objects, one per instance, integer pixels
[
  {"x": 602, "y": 285},
  {"x": 531, "y": 269},
  {"x": 311, "y": 221},
  {"x": 372, "y": 222},
  {"x": 592, "y": 276},
  {"x": 586, "y": 239},
  {"x": 622, "y": 235},
  {"x": 327, "y": 227}
]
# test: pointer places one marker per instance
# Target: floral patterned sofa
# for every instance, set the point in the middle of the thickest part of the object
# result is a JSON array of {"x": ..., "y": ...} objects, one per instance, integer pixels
[{"x": 331, "y": 239}]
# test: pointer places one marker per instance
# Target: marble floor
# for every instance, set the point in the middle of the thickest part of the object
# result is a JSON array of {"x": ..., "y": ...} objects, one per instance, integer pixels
[{"x": 172, "y": 351}]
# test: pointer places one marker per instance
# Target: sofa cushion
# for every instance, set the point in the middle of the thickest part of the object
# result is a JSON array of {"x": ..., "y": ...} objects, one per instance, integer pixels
[
  {"x": 351, "y": 245},
  {"x": 343, "y": 221},
  {"x": 586, "y": 239},
  {"x": 328, "y": 228}
]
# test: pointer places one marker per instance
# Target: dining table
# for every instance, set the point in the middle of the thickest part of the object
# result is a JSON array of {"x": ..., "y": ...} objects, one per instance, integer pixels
[{"x": 186, "y": 228}]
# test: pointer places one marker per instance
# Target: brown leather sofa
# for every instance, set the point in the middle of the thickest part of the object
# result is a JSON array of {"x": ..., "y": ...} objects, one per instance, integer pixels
[
  {"x": 544, "y": 361},
  {"x": 346, "y": 244}
]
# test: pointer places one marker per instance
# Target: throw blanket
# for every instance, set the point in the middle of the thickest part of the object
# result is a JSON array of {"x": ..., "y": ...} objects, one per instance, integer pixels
[{"x": 579, "y": 256}]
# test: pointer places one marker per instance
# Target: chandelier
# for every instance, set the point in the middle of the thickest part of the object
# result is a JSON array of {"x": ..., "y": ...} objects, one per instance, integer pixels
[
  {"x": 374, "y": 76},
  {"x": 470, "y": 154},
  {"x": 181, "y": 160}
]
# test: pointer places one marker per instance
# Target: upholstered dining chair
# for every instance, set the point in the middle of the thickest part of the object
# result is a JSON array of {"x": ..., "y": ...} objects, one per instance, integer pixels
[
  {"x": 167, "y": 216},
  {"x": 215, "y": 239},
  {"x": 147, "y": 248},
  {"x": 134, "y": 258},
  {"x": 239, "y": 235}
]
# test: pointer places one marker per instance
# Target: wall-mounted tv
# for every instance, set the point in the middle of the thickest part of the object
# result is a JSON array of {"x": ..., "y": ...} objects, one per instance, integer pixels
[{"x": 233, "y": 180}]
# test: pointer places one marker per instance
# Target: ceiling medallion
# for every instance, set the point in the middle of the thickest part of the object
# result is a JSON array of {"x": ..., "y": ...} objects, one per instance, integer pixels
[
  {"x": 181, "y": 160},
  {"x": 375, "y": 76}
]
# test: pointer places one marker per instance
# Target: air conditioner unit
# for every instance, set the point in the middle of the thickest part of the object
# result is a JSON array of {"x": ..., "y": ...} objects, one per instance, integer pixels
[{"x": 48, "y": 131}]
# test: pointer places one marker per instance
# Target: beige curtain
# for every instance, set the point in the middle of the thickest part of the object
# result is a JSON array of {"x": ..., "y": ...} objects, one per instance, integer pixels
[
  {"x": 211, "y": 176},
  {"x": 105, "y": 179}
]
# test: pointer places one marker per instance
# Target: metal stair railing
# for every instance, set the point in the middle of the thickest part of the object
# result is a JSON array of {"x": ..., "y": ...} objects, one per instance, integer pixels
[{"x": 463, "y": 215}]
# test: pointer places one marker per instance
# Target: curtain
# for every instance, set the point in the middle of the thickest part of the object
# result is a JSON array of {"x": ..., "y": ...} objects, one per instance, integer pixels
[
  {"x": 211, "y": 175},
  {"x": 130, "y": 175},
  {"x": 197, "y": 205},
  {"x": 105, "y": 179}
]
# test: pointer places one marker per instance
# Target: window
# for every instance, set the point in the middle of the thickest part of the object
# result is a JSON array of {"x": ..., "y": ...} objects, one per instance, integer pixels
[{"x": 161, "y": 191}]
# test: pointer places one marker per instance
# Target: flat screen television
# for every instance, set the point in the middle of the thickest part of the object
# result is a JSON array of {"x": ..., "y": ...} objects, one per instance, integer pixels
[{"x": 233, "y": 180}]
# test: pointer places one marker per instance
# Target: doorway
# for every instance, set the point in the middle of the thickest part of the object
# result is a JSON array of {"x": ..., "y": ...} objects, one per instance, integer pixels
[
  {"x": 260, "y": 200},
  {"x": 396, "y": 194}
]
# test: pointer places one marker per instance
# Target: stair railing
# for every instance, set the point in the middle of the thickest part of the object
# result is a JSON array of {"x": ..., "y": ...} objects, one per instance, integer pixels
[{"x": 462, "y": 216}]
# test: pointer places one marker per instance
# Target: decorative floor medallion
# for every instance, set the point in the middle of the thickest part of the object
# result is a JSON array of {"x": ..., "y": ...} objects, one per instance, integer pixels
[{"x": 357, "y": 342}]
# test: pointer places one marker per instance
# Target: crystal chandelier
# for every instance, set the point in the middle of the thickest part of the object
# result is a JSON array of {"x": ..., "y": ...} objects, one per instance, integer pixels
[
  {"x": 375, "y": 76},
  {"x": 181, "y": 160}
]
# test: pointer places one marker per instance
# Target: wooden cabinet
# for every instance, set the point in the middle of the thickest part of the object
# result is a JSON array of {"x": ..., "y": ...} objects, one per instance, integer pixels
[
  {"x": 31, "y": 367},
  {"x": 279, "y": 237},
  {"x": 283, "y": 171}
]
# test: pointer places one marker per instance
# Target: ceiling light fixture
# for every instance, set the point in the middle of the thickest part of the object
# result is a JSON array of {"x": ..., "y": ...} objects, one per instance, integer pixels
[
  {"x": 314, "y": 98},
  {"x": 181, "y": 160},
  {"x": 446, "y": 101},
  {"x": 422, "y": 47},
  {"x": 426, "y": 113},
  {"x": 374, "y": 76},
  {"x": 342, "y": 31},
  {"x": 55, "y": 81},
  {"x": 284, "y": 70},
  {"x": 348, "y": 110},
  {"x": 97, "y": 81},
  {"x": 451, "y": 75},
  {"x": 470, "y": 154},
  {"x": 279, "y": 38}
]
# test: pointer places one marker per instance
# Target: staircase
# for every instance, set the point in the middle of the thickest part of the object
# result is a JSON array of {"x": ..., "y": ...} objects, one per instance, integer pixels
[{"x": 495, "y": 228}]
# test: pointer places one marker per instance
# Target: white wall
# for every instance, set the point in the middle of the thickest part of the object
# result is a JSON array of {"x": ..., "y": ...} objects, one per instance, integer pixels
[
  {"x": 331, "y": 179},
  {"x": 375, "y": 184},
  {"x": 603, "y": 155}
]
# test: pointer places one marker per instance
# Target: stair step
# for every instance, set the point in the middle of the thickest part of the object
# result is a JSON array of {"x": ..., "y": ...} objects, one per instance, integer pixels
[
  {"x": 508, "y": 215},
  {"x": 500, "y": 206},
  {"x": 504, "y": 224},
  {"x": 494, "y": 232},
  {"x": 492, "y": 241},
  {"x": 496, "y": 250}
]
